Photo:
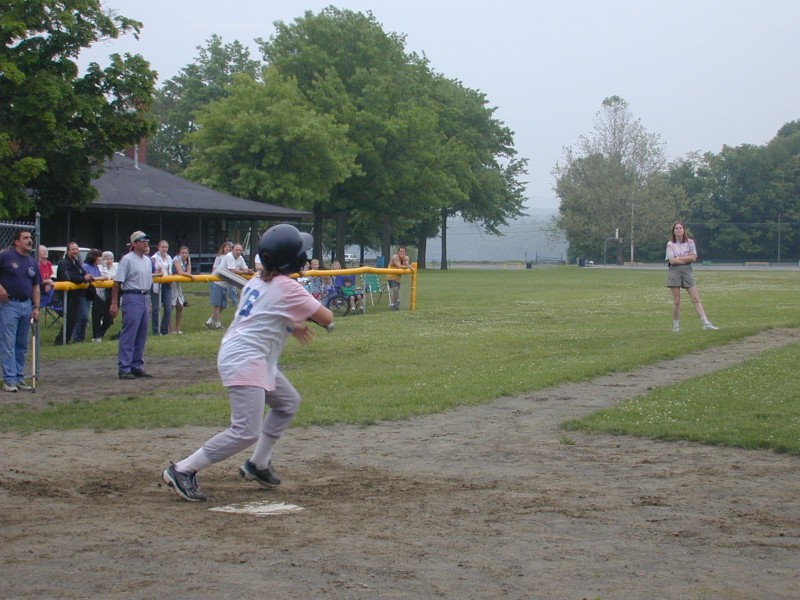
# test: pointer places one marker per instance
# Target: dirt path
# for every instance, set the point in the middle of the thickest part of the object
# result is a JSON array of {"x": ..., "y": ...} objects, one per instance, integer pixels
[{"x": 479, "y": 502}]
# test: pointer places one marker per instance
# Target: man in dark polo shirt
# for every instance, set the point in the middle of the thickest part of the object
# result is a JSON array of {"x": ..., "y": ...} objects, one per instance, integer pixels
[{"x": 19, "y": 301}]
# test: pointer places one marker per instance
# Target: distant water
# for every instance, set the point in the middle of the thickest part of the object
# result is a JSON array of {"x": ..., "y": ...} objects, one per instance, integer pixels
[{"x": 523, "y": 239}]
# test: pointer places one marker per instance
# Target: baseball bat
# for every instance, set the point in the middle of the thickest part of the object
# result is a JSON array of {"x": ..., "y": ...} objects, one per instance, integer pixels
[{"x": 239, "y": 281}]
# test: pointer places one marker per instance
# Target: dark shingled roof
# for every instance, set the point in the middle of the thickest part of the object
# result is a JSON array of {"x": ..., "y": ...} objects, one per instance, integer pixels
[{"x": 124, "y": 186}]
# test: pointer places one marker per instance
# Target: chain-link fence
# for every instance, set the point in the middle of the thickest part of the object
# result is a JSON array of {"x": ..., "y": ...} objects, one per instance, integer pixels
[{"x": 8, "y": 232}]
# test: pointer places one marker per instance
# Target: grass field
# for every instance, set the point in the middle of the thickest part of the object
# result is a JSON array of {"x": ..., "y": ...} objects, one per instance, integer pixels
[{"x": 480, "y": 334}]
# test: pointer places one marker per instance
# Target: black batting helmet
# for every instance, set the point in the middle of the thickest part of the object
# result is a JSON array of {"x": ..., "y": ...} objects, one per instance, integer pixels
[{"x": 283, "y": 248}]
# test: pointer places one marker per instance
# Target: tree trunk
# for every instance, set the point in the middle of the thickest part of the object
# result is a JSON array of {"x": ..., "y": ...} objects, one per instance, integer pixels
[
  {"x": 422, "y": 249},
  {"x": 444, "y": 240},
  {"x": 341, "y": 231},
  {"x": 317, "y": 233}
]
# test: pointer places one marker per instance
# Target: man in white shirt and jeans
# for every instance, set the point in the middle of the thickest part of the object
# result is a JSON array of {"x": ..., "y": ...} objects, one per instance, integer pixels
[{"x": 235, "y": 263}]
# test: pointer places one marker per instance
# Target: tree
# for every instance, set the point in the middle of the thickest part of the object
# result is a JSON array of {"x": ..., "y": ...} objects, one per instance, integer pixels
[
  {"x": 476, "y": 163},
  {"x": 265, "y": 142},
  {"x": 348, "y": 67},
  {"x": 614, "y": 181},
  {"x": 197, "y": 85},
  {"x": 746, "y": 200},
  {"x": 57, "y": 129},
  {"x": 423, "y": 142}
]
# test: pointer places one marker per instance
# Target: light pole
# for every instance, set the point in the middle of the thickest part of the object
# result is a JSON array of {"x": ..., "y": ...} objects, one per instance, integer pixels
[{"x": 631, "y": 231}]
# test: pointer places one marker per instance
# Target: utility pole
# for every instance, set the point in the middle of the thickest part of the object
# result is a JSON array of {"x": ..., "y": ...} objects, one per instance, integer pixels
[{"x": 631, "y": 231}]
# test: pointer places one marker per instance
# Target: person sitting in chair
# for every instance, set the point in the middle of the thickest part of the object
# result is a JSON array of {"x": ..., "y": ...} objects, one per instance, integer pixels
[{"x": 354, "y": 297}]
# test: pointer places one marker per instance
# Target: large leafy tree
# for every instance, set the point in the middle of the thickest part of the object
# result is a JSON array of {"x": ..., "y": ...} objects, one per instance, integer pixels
[
  {"x": 479, "y": 171},
  {"x": 56, "y": 127},
  {"x": 614, "y": 181},
  {"x": 197, "y": 85},
  {"x": 745, "y": 200},
  {"x": 265, "y": 142},
  {"x": 350, "y": 68},
  {"x": 424, "y": 143}
]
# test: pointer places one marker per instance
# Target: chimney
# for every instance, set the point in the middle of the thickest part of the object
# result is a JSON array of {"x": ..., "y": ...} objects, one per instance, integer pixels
[{"x": 138, "y": 153}]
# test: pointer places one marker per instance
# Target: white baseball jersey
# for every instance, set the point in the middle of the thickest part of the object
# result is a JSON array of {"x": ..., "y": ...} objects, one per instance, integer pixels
[{"x": 265, "y": 316}]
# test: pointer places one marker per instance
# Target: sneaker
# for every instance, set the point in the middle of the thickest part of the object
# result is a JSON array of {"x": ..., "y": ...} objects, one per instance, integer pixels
[
  {"x": 24, "y": 387},
  {"x": 183, "y": 484},
  {"x": 710, "y": 326},
  {"x": 676, "y": 328},
  {"x": 211, "y": 323},
  {"x": 141, "y": 374},
  {"x": 127, "y": 376},
  {"x": 9, "y": 387},
  {"x": 217, "y": 324},
  {"x": 97, "y": 340},
  {"x": 265, "y": 477}
]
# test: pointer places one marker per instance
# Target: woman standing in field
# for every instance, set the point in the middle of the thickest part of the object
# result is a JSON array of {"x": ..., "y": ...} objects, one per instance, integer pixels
[{"x": 681, "y": 253}]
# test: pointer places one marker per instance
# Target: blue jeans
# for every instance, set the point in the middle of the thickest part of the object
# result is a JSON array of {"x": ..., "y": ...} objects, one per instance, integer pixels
[
  {"x": 81, "y": 318},
  {"x": 15, "y": 328},
  {"x": 166, "y": 302}
]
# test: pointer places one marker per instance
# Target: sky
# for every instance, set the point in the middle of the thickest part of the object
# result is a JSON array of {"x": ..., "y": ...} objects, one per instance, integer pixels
[{"x": 702, "y": 74}]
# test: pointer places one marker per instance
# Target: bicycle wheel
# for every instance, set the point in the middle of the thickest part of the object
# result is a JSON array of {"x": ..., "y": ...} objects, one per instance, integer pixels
[{"x": 339, "y": 306}]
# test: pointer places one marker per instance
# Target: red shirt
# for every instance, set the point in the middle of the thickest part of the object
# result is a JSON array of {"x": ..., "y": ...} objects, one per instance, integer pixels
[{"x": 46, "y": 269}]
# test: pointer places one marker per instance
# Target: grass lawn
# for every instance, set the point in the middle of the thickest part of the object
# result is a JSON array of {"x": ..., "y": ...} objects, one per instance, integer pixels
[{"x": 480, "y": 334}]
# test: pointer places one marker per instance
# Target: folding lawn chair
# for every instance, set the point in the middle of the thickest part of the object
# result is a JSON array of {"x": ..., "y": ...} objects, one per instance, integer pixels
[
  {"x": 54, "y": 311},
  {"x": 372, "y": 285}
]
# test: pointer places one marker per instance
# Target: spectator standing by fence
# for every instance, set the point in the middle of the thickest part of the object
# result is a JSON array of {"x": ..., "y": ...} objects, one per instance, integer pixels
[
  {"x": 399, "y": 260},
  {"x": 108, "y": 268},
  {"x": 162, "y": 292},
  {"x": 99, "y": 307},
  {"x": 235, "y": 263},
  {"x": 46, "y": 288},
  {"x": 181, "y": 265},
  {"x": 19, "y": 302},
  {"x": 132, "y": 284},
  {"x": 218, "y": 296},
  {"x": 75, "y": 302}
]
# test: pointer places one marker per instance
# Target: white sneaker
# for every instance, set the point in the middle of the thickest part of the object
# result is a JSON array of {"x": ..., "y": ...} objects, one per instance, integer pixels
[
  {"x": 217, "y": 324},
  {"x": 9, "y": 388},
  {"x": 210, "y": 323},
  {"x": 709, "y": 325},
  {"x": 24, "y": 387},
  {"x": 97, "y": 340},
  {"x": 676, "y": 328}
]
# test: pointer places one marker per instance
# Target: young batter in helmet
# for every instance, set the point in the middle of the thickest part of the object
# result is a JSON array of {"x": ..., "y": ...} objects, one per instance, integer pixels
[{"x": 272, "y": 307}]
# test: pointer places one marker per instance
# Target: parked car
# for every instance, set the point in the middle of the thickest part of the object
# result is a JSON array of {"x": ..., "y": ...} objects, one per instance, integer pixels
[
  {"x": 350, "y": 258},
  {"x": 56, "y": 253}
]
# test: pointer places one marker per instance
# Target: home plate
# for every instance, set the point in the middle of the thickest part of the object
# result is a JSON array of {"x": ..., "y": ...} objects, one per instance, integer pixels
[{"x": 260, "y": 509}]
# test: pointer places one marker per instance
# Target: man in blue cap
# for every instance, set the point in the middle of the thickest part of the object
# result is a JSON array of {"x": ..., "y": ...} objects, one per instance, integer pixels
[{"x": 132, "y": 283}]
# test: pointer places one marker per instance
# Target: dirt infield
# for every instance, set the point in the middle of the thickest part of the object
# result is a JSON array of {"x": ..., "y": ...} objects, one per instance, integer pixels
[{"x": 491, "y": 501}]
